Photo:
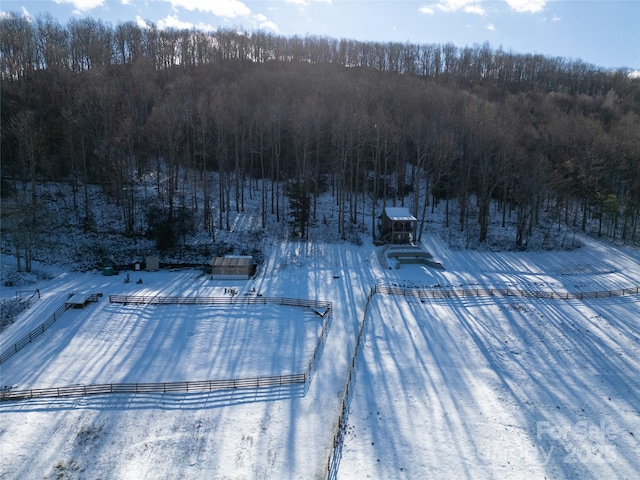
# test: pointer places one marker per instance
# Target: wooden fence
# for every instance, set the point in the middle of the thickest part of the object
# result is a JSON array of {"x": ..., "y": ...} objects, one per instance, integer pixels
[
  {"x": 20, "y": 304},
  {"x": 39, "y": 330},
  {"x": 230, "y": 300},
  {"x": 35, "y": 333},
  {"x": 335, "y": 453},
  {"x": 34, "y": 295},
  {"x": 319, "y": 343},
  {"x": 498, "y": 292},
  {"x": 188, "y": 386},
  {"x": 167, "y": 387}
]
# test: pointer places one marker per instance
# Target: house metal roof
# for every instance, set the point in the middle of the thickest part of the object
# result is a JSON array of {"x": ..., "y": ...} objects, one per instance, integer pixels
[
  {"x": 232, "y": 261},
  {"x": 399, "y": 214}
]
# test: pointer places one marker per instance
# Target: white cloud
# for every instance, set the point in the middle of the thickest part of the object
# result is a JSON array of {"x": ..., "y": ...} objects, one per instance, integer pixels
[
  {"x": 555, "y": 18},
  {"x": 306, "y": 3},
  {"x": 268, "y": 25},
  {"x": 477, "y": 9},
  {"x": 475, "y": 6},
  {"x": 26, "y": 15},
  {"x": 264, "y": 23},
  {"x": 527, "y": 6},
  {"x": 205, "y": 27},
  {"x": 142, "y": 23},
  {"x": 454, "y": 5},
  {"x": 468, "y": 6},
  {"x": 82, "y": 5},
  {"x": 172, "y": 21},
  {"x": 220, "y": 8},
  {"x": 491, "y": 27}
]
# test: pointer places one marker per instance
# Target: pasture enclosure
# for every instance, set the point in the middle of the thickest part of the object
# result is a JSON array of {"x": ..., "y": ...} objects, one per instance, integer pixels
[{"x": 169, "y": 344}]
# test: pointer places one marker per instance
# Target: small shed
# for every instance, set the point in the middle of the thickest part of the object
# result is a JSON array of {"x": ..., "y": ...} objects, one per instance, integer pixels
[
  {"x": 232, "y": 267},
  {"x": 152, "y": 264},
  {"x": 398, "y": 225}
]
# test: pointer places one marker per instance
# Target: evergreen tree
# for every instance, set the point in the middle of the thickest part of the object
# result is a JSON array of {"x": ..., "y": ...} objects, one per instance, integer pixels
[{"x": 299, "y": 208}]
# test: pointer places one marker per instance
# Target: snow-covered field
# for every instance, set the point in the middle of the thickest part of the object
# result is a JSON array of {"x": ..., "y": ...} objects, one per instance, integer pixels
[
  {"x": 487, "y": 387},
  {"x": 171, "y": 343},
  {"x": 496, "y": 388}
]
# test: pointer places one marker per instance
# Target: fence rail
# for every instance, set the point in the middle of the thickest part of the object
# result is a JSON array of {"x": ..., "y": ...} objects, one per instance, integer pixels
[
  {"x": 167, "y": 387},
  {"x": 498, "y": 292},
  {"x": 10, "y": 310},
  {"x": 35, "y": 333},
  {"x": 33, "y": 294},
  {"x": 40, "y": 329},
  {"x": 311, "y": 366},
  {"x": 335, "y": 452},
  {"x": 233, "y": 300}
]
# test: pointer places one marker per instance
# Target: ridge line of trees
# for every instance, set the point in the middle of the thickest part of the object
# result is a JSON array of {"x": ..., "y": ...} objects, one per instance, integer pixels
[
  {"x": 216, "y": 118},
  {"x": 83, "y": 44}
]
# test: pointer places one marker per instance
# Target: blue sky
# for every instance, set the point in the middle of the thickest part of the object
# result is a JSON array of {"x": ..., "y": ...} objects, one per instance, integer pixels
[{"x": 605, "y": 33}]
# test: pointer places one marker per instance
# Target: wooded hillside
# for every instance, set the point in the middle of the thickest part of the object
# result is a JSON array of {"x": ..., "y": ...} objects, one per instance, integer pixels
[{"x": 210, "y": 115}]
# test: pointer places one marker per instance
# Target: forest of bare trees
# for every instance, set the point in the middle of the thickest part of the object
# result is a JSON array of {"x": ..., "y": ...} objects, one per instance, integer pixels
[{"x": 212, "y": 115}]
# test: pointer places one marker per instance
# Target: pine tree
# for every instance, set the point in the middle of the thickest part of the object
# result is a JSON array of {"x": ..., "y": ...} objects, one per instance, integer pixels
[{"x": 299, "y": 208}]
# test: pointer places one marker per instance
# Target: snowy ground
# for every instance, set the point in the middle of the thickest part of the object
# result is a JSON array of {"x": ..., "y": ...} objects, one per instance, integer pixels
[
  {"x": 475, "y": 388},
  {"x": 496, "y": 388},
  {"x": 170, "y": 343}
]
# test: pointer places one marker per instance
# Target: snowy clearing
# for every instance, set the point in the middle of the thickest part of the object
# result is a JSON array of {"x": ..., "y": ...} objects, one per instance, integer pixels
[{"x": 483, "y": 387}]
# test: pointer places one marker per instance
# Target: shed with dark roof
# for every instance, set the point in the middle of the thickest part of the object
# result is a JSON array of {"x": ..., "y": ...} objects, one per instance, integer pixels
[{"x": 232, "y": 267}]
